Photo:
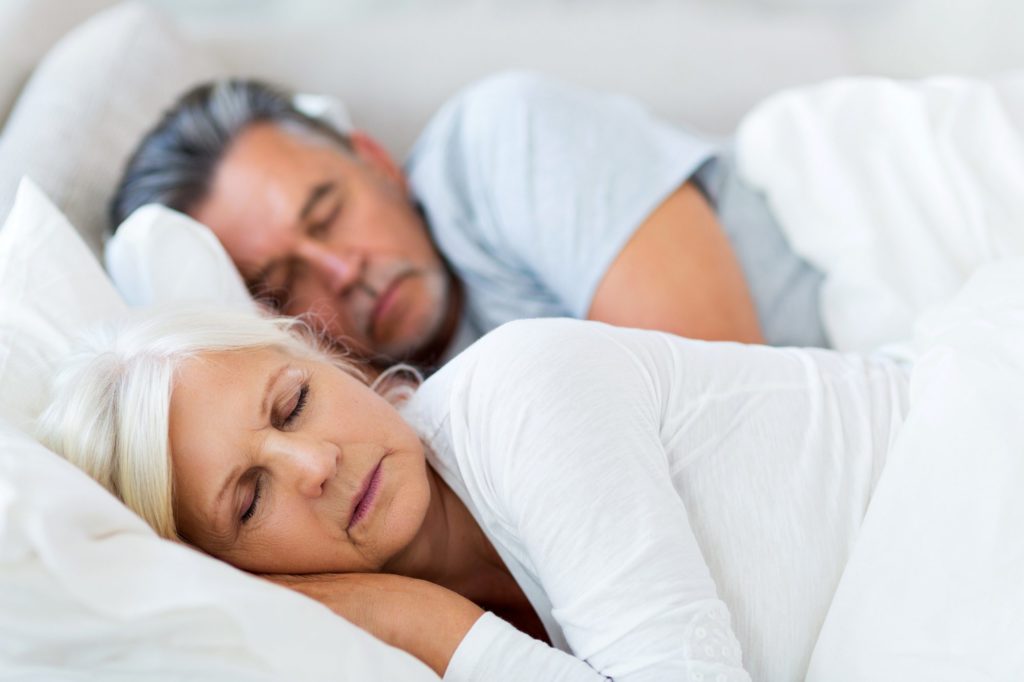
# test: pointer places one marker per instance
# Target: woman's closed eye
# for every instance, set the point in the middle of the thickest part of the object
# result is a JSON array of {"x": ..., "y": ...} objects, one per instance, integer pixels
[
  {"x": 293, "y": 408},
  {"x": 300, "y": 403},
  {"x": 256, "y": 492}
]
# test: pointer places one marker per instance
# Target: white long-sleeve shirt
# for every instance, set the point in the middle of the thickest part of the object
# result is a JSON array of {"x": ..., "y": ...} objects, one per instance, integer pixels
[{"x": 641, "y": 487}]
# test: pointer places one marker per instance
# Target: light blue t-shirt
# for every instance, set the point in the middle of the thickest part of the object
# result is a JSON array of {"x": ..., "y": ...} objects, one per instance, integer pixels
[{"x": 531, "y": 188}]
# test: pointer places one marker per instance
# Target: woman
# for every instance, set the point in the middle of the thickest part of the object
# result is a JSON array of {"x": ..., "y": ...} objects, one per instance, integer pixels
[{"x": 612, "y": 491}]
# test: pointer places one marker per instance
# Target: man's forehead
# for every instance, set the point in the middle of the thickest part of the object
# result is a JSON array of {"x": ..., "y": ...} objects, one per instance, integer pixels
[
  {"x": 284, "y": 142},
  {"x": 252, "y": 207}
]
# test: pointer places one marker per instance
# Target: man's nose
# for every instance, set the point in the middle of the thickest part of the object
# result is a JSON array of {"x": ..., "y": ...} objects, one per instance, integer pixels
[
  {"x": 306, "y": 464},
  {"x": 339, "y": 268}
]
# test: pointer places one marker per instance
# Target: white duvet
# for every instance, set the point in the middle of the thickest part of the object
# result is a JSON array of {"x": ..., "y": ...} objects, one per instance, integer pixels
[
  {"x": 898, "y": 191},
  {"x": 910, "y": 197},
  {"x": 934, "y": 588}
]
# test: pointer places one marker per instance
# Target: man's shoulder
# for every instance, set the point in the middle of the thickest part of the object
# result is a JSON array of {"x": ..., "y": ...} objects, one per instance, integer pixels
[
  {"x": 490, "y": 110},
  {"x": 479, "y": 152}
]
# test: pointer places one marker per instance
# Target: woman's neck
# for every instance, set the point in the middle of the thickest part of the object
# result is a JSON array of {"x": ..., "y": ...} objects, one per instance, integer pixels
[{"x": 452, "y": 550}]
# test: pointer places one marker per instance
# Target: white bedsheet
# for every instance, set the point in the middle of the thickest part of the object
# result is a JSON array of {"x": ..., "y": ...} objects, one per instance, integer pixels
[{"x": 898, "y": 191}]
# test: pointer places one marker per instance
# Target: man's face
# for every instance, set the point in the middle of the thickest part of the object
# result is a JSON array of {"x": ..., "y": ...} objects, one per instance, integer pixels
[{"x": 321, "y": 230}]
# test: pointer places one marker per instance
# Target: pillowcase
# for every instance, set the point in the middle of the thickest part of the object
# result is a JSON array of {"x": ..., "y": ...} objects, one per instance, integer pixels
[
  {"x": 159, "y": 256},
  {"x": 50, "y": 285},
  {"x": 86, "y": 588},
  {"x": 88, "y": 104},
  {"x": 934, "y": 589},
  {"x": 28, "y": 28}
]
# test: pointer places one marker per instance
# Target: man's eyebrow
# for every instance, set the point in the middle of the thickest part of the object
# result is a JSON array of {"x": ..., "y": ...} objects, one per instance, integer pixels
[
  {"x": 318, "y": 193},
  {"x": 315, "y": 195}
]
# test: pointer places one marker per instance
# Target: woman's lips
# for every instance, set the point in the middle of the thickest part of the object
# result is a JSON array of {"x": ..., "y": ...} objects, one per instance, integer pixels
[{"x": 366, "y": 497}]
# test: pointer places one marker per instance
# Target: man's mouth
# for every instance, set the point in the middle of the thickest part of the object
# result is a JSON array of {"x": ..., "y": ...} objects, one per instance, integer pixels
[{"x": 385, "y": 302}]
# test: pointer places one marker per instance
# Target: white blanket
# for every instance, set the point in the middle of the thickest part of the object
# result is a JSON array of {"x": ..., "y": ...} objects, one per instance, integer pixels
[
  {"x": 898, "y": 191},
  {"x": 934, "y": 589}
]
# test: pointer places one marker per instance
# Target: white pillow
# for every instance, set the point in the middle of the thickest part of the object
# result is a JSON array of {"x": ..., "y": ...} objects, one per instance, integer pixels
[
  {"x": 87, "y": 590},
  {"x": 87, "y": 105},
  {"x": 934, "y": 589},
  {"x": 328, "y": 109},
  {"x": 159, "y": 256},
  {"x": 28, "y": 28},
  {"x": 50, "y": 285}
]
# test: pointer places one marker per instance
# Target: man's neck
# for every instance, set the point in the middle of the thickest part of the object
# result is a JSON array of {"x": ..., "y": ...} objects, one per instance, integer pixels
[{"x": 429, "y": 358}]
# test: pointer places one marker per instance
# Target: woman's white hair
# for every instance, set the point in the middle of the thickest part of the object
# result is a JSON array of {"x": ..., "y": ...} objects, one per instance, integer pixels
[{"x": 110, "y": 405}]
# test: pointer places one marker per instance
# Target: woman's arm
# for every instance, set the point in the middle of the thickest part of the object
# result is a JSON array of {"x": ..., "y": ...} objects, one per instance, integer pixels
[
  {"x": 424, "y": 619},
  {"x": 439, "y": 627},
  {"x": 560, "y": 424}
]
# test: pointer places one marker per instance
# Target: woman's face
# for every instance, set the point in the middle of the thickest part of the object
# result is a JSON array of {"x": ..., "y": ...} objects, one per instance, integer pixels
[{"x": 292, "y": 466}]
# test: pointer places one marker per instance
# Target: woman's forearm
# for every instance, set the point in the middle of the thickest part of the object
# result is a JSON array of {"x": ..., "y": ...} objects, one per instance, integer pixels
[{"x": 419, "y": 617}]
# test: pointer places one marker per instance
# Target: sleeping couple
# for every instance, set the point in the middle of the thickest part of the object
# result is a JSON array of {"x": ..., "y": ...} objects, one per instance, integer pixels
[{"x": 560, "y": 500}]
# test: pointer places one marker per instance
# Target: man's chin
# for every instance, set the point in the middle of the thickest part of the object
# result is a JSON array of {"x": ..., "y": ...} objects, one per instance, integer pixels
[
  {"x": 381, "y": 354},
  {"x": 400, "y": 352},
  {"x": 414, "y": 341},
  {"x": 416, "y": 346}
]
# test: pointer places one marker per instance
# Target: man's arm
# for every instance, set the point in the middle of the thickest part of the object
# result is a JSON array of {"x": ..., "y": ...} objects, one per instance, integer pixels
[{"x": 678, "y": 274}]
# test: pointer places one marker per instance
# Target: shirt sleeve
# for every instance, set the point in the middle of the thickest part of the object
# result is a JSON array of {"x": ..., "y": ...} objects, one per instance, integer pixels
[
  {"x": 533, "y": 186},
  {"x": 495, "y": 651},
  {"x": 561, "y": 431}
]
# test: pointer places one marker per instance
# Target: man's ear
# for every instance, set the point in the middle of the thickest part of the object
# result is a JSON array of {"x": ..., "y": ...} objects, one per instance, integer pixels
[{"x": 373, "y": 153}]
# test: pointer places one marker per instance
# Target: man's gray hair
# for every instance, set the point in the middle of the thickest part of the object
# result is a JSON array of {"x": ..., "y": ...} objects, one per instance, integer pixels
[{"x": 175, "y": 163}]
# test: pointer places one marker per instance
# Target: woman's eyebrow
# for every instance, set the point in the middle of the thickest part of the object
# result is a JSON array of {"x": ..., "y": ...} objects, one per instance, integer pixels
[
  {"x": 218, "y": 510},
  {"x": 268, "y": 390}
]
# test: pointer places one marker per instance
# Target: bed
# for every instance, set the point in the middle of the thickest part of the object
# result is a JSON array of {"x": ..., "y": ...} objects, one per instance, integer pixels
[{"x": 932, "y": 591}]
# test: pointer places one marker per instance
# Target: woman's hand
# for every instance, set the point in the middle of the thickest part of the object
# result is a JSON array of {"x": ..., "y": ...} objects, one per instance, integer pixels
[{"x": 427, "y": 620}]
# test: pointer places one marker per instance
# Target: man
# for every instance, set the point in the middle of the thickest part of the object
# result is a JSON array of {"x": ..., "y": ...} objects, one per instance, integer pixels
[{"x": 524, "y": 197}]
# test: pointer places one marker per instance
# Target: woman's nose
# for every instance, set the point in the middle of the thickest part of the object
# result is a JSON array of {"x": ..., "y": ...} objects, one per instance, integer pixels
[
  {"x": 339, "y": 268},
  {"x": 309, "y": 464}
]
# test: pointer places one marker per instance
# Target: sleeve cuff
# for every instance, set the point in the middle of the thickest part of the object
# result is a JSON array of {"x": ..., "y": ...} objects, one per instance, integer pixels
[
  {"x": 470, "y": 657},
  {"x": 495, "y": 651}
]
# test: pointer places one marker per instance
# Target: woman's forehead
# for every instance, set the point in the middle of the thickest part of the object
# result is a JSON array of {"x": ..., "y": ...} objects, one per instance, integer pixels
[
  {"x": 227, "y": 366},
  {"x": 215, "y": 390}
]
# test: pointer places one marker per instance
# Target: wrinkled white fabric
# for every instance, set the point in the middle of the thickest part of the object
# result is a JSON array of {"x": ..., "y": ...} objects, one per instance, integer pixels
[
  {"x": 897, "y": 191},
  {"x": 87, "y": 590},
  {"x": 640, "y": 487},
  {"x": 934, "y": 589}
]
